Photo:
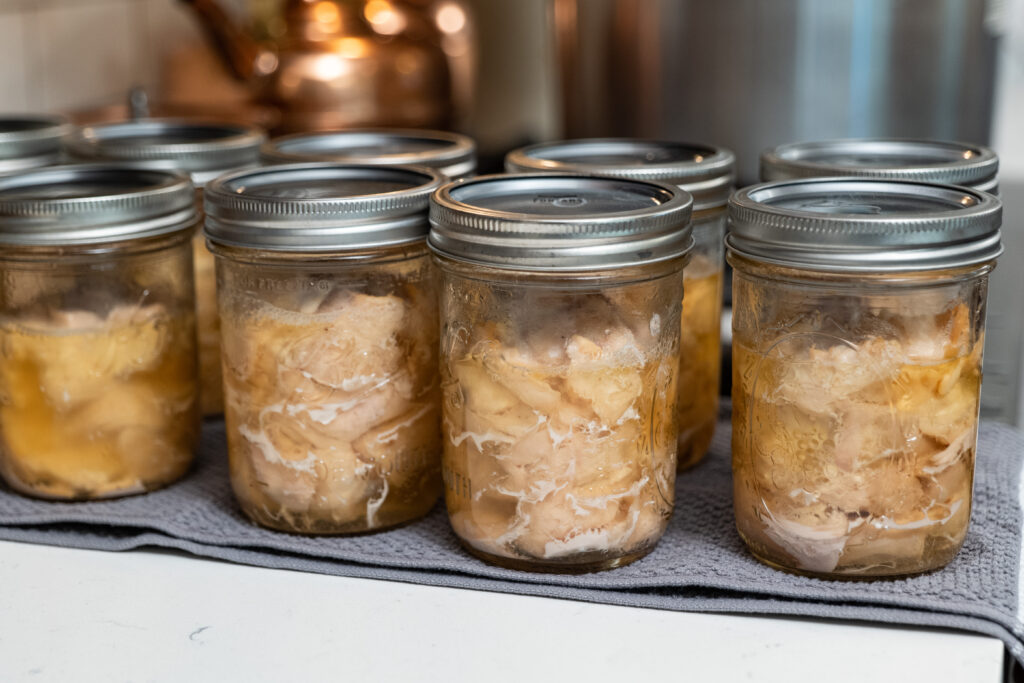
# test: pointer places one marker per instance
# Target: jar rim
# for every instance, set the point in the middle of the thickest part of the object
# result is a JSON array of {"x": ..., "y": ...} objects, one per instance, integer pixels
[
  {"x": 31, "y": 140},
  {"x": 939, "y": 161},
  {"x": 201, "y": 148},
  {"x": 560, "y": 221},
  {"x": 864, "y": 224},
  {"x": 707, "y": 172},
  {"x": 93, "y": 204},
  {"x": 320, "y": 207},
  {"x": 452, "y": 154}
]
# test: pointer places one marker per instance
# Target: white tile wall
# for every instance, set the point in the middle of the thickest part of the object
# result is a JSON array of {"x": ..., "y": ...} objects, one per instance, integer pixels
[
  {"x": 88, "y": 53},
  {"x": 14, "y": 94},
  {"x": 58, "y": 55},
  {"x": 166, "y": 26}
]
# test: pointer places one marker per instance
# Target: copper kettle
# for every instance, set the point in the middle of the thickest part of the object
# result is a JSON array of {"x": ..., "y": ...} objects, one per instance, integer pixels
[{"x": 344, "y": 63}]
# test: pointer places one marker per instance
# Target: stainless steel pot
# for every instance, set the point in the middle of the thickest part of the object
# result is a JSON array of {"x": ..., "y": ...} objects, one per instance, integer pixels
[{"x": 750, "y": 74}]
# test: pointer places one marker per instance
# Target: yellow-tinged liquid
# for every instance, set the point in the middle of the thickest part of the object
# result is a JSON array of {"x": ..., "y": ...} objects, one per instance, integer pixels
[
  {"x": 699, "y": 366},
  {"x": 208, "y": 329},
  {"x": 95, "y": 408},
  {"x": 855, "y": 459}
]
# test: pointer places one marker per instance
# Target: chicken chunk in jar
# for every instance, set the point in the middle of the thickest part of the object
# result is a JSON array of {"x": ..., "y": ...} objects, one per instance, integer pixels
[
  {"x": 854, "y": 441},
  {"x": 97, "y": 406},
  {"x": 559, "y": 431},
  {"x": 332, "y": 407}
]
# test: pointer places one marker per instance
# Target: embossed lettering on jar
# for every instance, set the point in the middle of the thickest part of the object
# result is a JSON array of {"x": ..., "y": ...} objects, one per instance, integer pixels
[
  {"x": 329, "y": 327},
  {"x": 559, "y": 357},
  {"x": 858, "y": 331},
  {"x": 707, "y": 173},
  {"x": 97, "y": 331}
]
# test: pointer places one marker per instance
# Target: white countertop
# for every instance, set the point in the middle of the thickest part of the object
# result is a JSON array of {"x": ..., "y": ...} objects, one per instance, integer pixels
[{"x": 80, "y": 615}]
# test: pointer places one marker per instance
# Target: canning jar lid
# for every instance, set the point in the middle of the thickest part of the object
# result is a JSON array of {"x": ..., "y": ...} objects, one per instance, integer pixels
[
  {"x": 202, "y": 149},
  {"x": 559, "y": 222},
  {"x": 30, "y": 141},
  {"x": 931, "y": 161},
  {"x": 450, "y": 153},
  {"x": 708, "y": 173},
  {"x": 319, "y": 207},
  {"x": 93, "y": 204},
  {"x": 864, "y": 225}
]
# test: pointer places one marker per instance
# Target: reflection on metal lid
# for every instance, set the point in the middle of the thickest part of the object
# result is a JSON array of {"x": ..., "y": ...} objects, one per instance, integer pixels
[
  {"x": 202, "y": 149},
  {"x": 450, "y": 153},
  {"x": 550, "y": 221},
  {"x": 952, "y": 163},
  {"x": 706, "y": 172},
  {"x": 92, "y": 204},
  {"x": 30, "y": 141},
  {"x": 864, "y": 224},
  {"x": 319, "y": 207}
]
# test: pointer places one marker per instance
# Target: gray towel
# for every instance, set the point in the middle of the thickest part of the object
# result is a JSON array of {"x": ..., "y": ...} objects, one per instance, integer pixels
[{"x": 700, "y": 564}]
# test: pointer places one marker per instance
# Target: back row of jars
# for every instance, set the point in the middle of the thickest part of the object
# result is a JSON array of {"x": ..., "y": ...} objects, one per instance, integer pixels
[{"x": 540, "y": 362}]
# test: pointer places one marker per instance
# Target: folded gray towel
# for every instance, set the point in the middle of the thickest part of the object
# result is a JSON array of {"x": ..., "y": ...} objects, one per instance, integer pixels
[{"x": 700, "y": 564}]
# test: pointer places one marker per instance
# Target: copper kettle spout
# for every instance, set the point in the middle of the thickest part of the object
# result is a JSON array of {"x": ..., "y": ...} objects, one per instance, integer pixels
[{"x": 245, "y": 57}]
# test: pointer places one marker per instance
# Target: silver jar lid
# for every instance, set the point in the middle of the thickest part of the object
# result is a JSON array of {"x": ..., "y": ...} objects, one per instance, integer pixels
[
  {"x": 708, "y": 173},
  {"x": 450, "y": 153},
  {"x": 204, "y": 150},
  {"x": 864, "y": 225},
  {"x": 930, "y": 161},
  {"x": 319, "y": 207},
  {"x": 559, "y": 222},
  {"x": 93, "y": 204},
  {"x": 30, "y": 141}
]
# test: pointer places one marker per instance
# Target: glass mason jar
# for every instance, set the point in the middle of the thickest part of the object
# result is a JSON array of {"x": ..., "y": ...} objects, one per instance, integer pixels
[
  {"x": 858, "y": 331},
  {"x": 330, "y": 334},
  {"x": 31, "y": 142},
  {"x": 931, "y": 161},
  {"x": 559, "y": 356},
  {"x": 98, "y": 383},
  {"x": 203, "y": 150},
  {"x": 451, "y": 154},
  {"x": 708, "y": 174},
  {"x": 950, "y": 163}
]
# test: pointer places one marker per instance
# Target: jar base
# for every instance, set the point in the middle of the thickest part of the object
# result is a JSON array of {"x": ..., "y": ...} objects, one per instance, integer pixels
[
  {"x": 355, "y": 528},
  {"x": 14, "y": 484},
  {"x": 847, "y": 575},
  {"x": 563, "y": 567}
]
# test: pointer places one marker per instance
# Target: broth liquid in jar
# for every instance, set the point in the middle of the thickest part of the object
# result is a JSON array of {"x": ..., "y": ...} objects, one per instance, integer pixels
[
  {"x": 707, "y": 173},
  {"x": 203, "y": 150},
  {"x": 858, "y": 331},
  {"x": 450, "y": 154},
  {"x": 97, "y": 331},
  {"x": 329, "y": 322},
  {"x": 559, "y": 357}
]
